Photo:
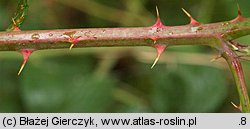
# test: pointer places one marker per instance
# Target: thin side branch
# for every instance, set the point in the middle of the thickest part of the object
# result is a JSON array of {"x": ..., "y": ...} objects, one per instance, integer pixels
[{"x": 234, "y": 63}]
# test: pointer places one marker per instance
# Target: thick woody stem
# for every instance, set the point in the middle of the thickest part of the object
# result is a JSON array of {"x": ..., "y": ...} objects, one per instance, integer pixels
[{"x": 141, "y": 36}]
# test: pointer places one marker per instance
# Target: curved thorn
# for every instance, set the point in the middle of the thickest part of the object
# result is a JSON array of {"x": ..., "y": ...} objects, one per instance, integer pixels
[
  {"x": 22, "y": 66},
  {"x": 216, "y": 58},
  {"x": 238, "y": 45},
  {"x": 239, "y": 17},
  {"x": 160, "y": 49},
  {"x": 235, "y": 105},
  {"x": 71, "y": 46},
  {"x": 239, "y": 11},
  {"x": 156, "y": 60},
  {"x": 158, "y": 22},
  {"x": 192, "y": 20},
  {"x": 234, "y": 47},
  {"x": 73, "y": 41},
  {"x": 186, "y": 12},
  {"x": 26, "y": 53},
  {"x": 157, "y": 11}
]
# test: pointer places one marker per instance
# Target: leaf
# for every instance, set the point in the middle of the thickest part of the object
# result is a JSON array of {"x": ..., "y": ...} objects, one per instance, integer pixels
[
  {"x": 188, "y": 89},
  {"x": 9, "y": 90},
  {"x": 65, "y": 84},
  {"x": 19, "y": 16}
]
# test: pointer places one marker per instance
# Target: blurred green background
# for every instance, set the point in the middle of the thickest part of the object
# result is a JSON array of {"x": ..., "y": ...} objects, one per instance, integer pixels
[{"x": 118, "y": 79}]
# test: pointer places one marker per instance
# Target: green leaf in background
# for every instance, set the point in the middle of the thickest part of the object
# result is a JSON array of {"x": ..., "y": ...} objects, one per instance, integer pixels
[
  {"x": 188, "y": 89},
  {"x": 65, "y": 84},
  {"x": 10, "y": 100},
  {"x": 176, "y": 88},
  {"x": 181, "y": 88}
]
